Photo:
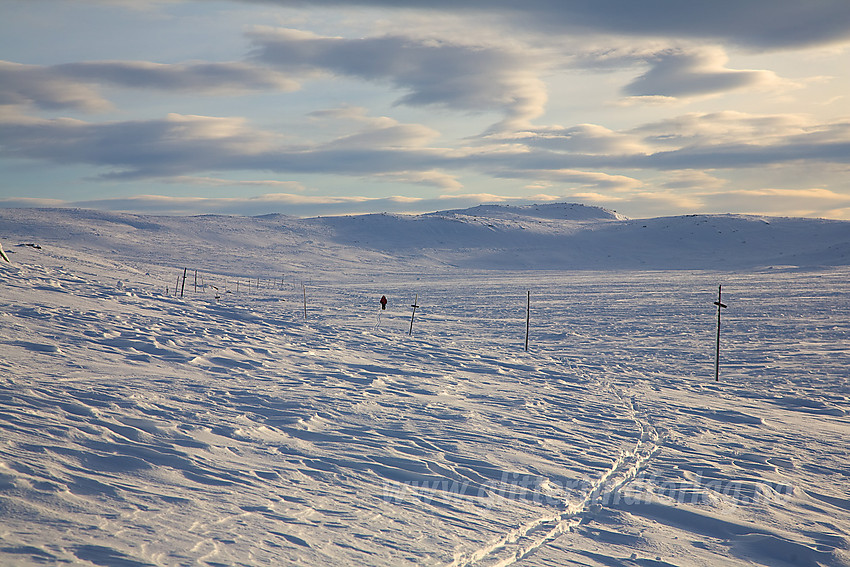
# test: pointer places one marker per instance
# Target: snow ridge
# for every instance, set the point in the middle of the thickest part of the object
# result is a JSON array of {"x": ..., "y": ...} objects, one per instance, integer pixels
[{"x": 540, "y": 237}]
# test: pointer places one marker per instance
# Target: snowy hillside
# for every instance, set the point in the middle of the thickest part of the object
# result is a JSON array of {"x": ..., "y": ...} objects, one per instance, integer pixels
[
  {"x": 274, "y": 415},
  {"x": 555, "y": 236}
]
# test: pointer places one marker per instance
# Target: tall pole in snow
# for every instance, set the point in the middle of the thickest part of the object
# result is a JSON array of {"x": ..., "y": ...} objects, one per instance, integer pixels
[
  {"x": 719, "y": 304},
  {"x": 304, "y": 289},
  {"x": 527, "y": 319},
  {"x": 183, "y": 286},
  {"x": 412, "y": 315}
]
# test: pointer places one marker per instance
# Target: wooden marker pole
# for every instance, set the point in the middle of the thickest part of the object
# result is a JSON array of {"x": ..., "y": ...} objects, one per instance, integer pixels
[
  {"x": 183, "y": 285},
  {"x": 719, "y": 305},
  {"x": 412, "y": 315},
  {"x": 527, "y": 319},
  {"x": 304, "y": 289}
]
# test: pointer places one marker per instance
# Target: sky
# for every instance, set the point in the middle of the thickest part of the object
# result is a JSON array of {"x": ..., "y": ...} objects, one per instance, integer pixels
[{"x": 651, "y": 108}]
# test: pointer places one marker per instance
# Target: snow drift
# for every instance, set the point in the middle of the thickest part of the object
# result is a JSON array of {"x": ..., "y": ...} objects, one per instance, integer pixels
[{"x": 232, "y": 427}]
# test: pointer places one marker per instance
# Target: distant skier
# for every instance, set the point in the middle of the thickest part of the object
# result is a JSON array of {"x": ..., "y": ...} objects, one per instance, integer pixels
[{"x": 383, "y": 302}]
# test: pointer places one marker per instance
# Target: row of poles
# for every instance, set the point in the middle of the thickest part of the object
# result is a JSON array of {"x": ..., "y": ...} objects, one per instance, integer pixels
[
  {"x": 181, "y": 282},
  {"x": 180, "y": 286},
  {"x": 720, "y": 305}
]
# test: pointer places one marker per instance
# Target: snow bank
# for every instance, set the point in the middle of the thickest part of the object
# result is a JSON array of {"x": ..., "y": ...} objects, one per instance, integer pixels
[{"x": 222, "y": 428}]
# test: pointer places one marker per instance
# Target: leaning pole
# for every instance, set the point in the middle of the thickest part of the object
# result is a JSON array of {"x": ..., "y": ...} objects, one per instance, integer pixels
[
  {"x": 719, "y": 305},
  {"x": 412, "y": 315}
]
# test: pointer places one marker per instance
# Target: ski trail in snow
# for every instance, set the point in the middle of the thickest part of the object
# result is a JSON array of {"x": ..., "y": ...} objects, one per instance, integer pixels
[{"x": 518, "y": 543}]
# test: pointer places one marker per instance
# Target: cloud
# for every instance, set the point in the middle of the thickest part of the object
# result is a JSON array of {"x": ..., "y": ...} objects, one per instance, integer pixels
[
  {"x": 207, "y": 78},
  {"x": 692, "y": 181},
  {"x": 729, "y": 140},
  {"x": 468, "y": 77},
  {"x": 674, "y": 71},
  {"x": 220, "y": 182},
  {"x": 677, "y": 73},
  {"x": 71, "y": 85},
  {"x": 700, "y": 129},
  {"x": 174, "y": 145},
  {"x": 375, "y": 131},
  {"x": 183, "y": 145},
  {"x": 24, "y": 85},
  {"x": 643, "y": 204},
  {"x": 800, "y": 202},
  {"x": 589, "y": 159},
  {"x": 813, "y": 202},
  {"x": 585, "y": 138},
  {"x": 754, "y": 23},
  {"x": 812, "y": 148},
  {"x": 432, "y": 71},
  {"x": 286, "y": 203},
  {"x": 585, "y": 179},
  {"x": 431, "y": 178},
  {"x": 140, "y": 5}
]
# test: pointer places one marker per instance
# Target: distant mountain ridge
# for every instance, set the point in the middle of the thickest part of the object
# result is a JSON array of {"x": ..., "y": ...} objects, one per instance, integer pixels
[
  {"x": 559, "y": 236},
  {"x": 552, "y": 211}
]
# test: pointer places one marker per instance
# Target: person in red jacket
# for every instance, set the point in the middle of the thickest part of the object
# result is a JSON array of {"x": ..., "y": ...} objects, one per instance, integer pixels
[{"x": 383, "y": 302}]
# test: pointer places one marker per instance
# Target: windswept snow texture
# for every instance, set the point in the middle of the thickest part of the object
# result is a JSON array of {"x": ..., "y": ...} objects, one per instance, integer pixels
[{"x": 138, "y": 427}]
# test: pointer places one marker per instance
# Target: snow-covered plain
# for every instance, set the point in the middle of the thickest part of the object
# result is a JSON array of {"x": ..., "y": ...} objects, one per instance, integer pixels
[{"x": 144, "y": 428}]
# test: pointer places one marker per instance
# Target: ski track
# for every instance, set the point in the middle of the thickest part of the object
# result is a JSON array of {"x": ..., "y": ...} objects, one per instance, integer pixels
[
  {"x": 145, "y": 429},
  {"x": 528, "y": 538}
]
